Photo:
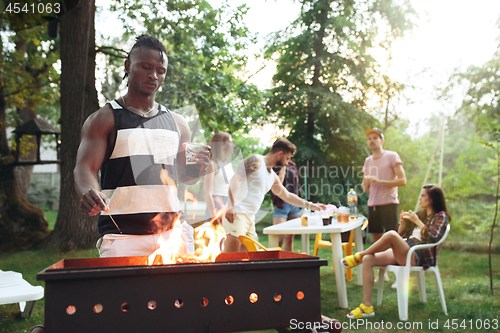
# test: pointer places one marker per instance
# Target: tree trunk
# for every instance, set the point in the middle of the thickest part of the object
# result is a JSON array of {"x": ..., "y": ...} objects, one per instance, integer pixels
[
  {"x": 22, "y": 225},
  {"x": 496, "y": 214},
  {"x": 73, "y": 230},
  {"x": 314, "y": 101},
  {"x": 313, "y": 96},
  {"x": 23, "y": 173}
]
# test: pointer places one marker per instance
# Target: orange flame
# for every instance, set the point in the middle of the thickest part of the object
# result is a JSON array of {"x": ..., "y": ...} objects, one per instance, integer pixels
[
  {"x": 189, "y": 196},
  {"x": 169, "y": 248},
  {"x": 207, "y": 239},
  {"x": 165, "y": 178}
]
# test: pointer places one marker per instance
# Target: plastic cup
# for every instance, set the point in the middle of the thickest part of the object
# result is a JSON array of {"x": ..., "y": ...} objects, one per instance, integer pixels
[
  {"x": 303, "y": 221},
  {"x": 343, "y": 215},
  {"x": 193, "y": 169},
  {"x": 327, "y": 220}
]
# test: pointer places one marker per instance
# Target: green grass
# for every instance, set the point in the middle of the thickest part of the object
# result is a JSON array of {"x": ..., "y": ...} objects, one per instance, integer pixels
[
  {"x": 29, "y": 263},
  {"x": 465, "y": 278},
  {"x": 51, "y": 217}
]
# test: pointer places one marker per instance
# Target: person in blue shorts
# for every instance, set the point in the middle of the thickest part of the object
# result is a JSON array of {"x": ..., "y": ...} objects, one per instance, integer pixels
[{"x": 283, "y": 211}]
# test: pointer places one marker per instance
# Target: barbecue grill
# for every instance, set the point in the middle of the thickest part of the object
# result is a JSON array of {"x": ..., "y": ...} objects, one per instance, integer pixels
[{"x": 239, "y": 292}]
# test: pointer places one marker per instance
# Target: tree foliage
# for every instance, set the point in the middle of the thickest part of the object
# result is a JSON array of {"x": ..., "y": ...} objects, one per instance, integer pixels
[
  {"x": 482, "y": 90},
  {"x": 27, "y": 87},
  {"x": 206, "y": 52},
  {"x": 325, "y": 74},
  {"x": 481, "y": 104}
]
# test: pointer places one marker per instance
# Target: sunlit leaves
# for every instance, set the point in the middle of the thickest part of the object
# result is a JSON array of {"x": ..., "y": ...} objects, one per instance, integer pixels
[
  {"x": 324, "y": 69},
  {"x": 28, "y": 77}
]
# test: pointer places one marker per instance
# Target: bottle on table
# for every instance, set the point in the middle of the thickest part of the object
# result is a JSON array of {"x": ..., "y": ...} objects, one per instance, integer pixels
[{"x": 352, "y": 201}]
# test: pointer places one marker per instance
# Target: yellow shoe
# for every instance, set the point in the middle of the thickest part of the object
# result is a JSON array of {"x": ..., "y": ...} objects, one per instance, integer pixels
[
  {"x": 352, "y": 261},
  {"x": 361, "y": 312}
]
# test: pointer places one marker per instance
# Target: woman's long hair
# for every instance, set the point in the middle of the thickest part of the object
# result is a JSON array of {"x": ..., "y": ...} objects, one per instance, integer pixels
[
  {"x": 218, "y": 154},
  {"x": 436, "y": 196}
]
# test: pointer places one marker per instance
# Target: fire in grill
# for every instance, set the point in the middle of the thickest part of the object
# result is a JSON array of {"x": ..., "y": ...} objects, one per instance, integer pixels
[{"x": 240, "y": 291}]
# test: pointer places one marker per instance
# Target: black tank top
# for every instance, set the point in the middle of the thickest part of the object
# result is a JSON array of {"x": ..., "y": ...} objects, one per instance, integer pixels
[{"x": 143, "y": 160}]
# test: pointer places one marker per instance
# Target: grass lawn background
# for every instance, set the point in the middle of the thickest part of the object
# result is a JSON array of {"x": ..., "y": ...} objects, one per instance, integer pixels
[{"x": 465, "y": 277}]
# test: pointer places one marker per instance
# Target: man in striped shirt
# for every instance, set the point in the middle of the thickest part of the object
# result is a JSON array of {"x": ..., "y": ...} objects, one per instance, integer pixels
[{"x": 137, "y": 145}]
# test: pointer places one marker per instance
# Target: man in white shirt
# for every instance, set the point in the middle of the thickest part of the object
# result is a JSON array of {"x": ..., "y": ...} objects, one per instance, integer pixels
[{"x": 254, "y": 177}]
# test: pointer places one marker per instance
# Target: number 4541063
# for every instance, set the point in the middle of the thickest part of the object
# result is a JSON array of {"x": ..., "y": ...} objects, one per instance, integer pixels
[
  {"x": 472, "y": 324},
  {"x": 38, "y": 8}
]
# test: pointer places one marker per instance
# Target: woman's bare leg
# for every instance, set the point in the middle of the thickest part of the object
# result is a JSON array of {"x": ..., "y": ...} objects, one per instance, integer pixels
[
  {"x": 369, "y": 261},
  {"x": 390, "y": 240},
  {"x": 390, "y": 249}
]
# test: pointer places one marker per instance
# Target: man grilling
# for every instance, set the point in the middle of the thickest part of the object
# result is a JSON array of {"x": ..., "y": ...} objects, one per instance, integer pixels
[{"x": 137, "y": 145}]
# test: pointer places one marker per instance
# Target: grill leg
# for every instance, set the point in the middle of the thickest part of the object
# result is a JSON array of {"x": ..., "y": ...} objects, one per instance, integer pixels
[{"x": 37, "y": 329}]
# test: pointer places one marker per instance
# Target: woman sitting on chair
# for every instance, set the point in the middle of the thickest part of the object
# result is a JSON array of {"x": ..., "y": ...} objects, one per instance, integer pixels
[{"x": 426, "y": 226}]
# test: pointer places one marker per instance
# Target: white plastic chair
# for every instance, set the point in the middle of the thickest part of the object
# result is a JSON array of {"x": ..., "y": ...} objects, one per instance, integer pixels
[
  {"x": 403, "y": 279},
  {"x": 14, "y": 289}
]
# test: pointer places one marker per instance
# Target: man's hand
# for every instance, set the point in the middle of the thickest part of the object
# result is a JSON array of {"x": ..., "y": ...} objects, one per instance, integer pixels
[
  {"x": 372, "y": 179},
  {"x": 93, "y": 202},
  {"x": 230, "y": 215},
  {"x": 318, "y": 206},
  {"x": 199, "y": 156}
]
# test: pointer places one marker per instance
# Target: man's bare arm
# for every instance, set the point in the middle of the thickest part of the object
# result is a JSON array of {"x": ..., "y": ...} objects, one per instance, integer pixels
[
  {"x": 291, "y": 198},
  {"x": 365, "y": 184},
  {"x": 248, "y": 165},
  {"x": 233, "y": 190},
  {"x": 91, "y": 153},
  {"x": 399, "y": 181}
]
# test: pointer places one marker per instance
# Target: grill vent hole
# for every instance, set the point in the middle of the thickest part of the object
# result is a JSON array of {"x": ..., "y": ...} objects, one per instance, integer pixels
[
  {"x": 152, "y": 305},
  {"x": 277, "y": 297},
  {"x": 229, "y": 300},
  {"x": 179, "y": 303},
  {"x": 253, "y": 297},
  {"x": 71, "y": 309},
  {"x": 125, "y": 307},
  {"x": 98, "y": 308},
  {"x": 300, "y": 295},
  {"x": 204, "y": 301}
]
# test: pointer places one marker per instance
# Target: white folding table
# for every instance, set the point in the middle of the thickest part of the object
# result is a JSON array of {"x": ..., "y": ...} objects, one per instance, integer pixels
[{"x": 335, "y": 229}]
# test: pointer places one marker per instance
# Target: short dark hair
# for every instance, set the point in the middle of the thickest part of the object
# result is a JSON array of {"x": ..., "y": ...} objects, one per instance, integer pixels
[
  {"x": 150, "y": 42},
  {"x": 284, "y": 145}
]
